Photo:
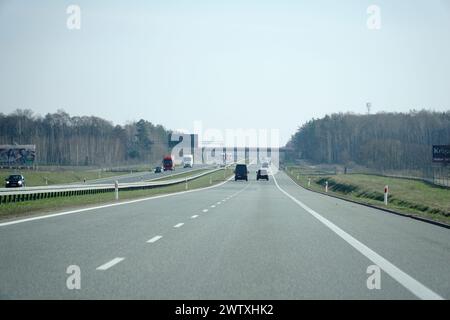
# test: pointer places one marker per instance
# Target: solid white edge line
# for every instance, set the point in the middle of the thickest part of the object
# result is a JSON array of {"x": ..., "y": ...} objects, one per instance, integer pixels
[
  {"x": 178, "y": 225},
  {"x": 154, "y": 239},
  {"x": 109, "y": 205},
  {"x": 414, "y": 286},
  {"x": 109, "y": 264}
]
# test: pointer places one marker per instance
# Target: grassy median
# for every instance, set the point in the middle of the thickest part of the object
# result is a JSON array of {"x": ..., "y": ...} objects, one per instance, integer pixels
[
  {"x": 408, "y": 196},
  {"x": 19, "y": 209}
]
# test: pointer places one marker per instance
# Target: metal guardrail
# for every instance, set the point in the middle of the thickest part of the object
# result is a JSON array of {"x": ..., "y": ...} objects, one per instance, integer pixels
[
  {"x": 45, "y": 192},
  {"x": 135, "y": 175}
]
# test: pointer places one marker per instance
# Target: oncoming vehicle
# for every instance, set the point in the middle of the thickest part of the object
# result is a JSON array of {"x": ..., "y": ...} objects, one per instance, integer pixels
[
  {"x": 15, "y": 181},
  {"x": 241, "y": 172},
  {"x": 158, "y": 170},
  {"x": 262, "y": 174},
  {"x": 168, "y": 163},
  {"x": 188, "y": 161}
]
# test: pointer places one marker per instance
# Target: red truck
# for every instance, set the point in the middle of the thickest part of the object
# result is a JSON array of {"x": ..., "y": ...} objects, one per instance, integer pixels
[{"x": 168, "y": 163}]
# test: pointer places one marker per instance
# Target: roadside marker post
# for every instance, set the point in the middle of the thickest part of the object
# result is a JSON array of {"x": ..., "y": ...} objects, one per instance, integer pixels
[
  {"x": 186, "y": 183},
  {"x": 210, "y": 180},
  {"x": 309, "y": 182},
  {"x": 326, "y": 186},
  {"x": 116, "y": 189},
  {"x": 386, "y": 194}
]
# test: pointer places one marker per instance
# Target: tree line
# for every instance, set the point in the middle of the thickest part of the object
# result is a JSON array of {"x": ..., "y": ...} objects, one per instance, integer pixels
[
  {"x": 64, "y": 140},
  {"x": 384, "y": 141}
]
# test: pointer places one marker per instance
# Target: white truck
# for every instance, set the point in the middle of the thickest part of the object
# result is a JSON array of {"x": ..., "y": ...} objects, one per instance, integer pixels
[{"x": 188, "y": 161}]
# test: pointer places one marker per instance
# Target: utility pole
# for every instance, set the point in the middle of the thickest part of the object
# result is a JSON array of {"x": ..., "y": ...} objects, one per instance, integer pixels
[{"x": 369, "y": 107}]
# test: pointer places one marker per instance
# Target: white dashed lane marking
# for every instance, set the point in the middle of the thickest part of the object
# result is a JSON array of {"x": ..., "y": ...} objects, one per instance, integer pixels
[
  {"x": 205, "y": 210},
  {"x": 194, "y": 216},
  {"x": 154, "y": 239},
  {"x": 178, "y": 225},
  {"x": 109, "y": 264}
]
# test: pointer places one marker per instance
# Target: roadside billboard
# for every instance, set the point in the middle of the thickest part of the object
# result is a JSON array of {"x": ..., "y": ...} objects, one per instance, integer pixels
[
  {"x": 441, "y": 153},
  {"x": 17, "y": 155}
]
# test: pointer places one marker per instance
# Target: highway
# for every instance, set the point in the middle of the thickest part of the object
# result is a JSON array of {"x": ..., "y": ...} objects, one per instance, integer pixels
[{"x": 237, "y": 240}]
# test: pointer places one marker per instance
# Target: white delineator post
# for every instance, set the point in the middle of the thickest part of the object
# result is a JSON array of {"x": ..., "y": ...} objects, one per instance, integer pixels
[
  {"x": 326, "y": 186},
  {"x": 186, "y": 184},
  {"x": 386, "y": 194},
  {"x": 309, "y": 182},
  {"x": 116, "y": 189}
]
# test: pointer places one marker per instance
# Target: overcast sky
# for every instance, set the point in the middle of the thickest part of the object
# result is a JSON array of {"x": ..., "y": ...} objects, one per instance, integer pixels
[{"x": 230, "y": 64}]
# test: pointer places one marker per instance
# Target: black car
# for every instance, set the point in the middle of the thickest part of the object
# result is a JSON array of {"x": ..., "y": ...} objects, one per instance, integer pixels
[
  {"x": 158, "y": 170},
  {"x": 15, "y": 180},
  {"x": 262, "y": 174},
  {"x": 241, "y": 172}
]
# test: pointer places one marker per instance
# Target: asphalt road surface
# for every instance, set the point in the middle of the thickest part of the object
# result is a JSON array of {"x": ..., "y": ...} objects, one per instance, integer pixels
[{"x": 238, "y": 240}]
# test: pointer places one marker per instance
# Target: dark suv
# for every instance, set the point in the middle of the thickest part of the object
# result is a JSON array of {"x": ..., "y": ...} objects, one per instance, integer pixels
[
  {"x": 241, "y": 172},
  {"x": 262, "y": 174},
  {"x": 15, "y": 180}
]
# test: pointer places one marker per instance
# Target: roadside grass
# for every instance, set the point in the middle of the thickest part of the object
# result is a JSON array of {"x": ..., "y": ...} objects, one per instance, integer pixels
[
  {"x": 26, "y": 208},
  {"x": 412, "y": 197},
  {"x": 38, "y": 178}
]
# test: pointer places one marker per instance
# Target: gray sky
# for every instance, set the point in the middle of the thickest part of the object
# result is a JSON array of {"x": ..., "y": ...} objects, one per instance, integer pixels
[{"x": 230, "y": 64}]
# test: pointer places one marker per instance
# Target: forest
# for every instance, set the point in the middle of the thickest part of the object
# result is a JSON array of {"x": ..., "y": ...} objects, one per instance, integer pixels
[
  {"x": 64, "y": 140},
  {"x": 383, "y": 141}
]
